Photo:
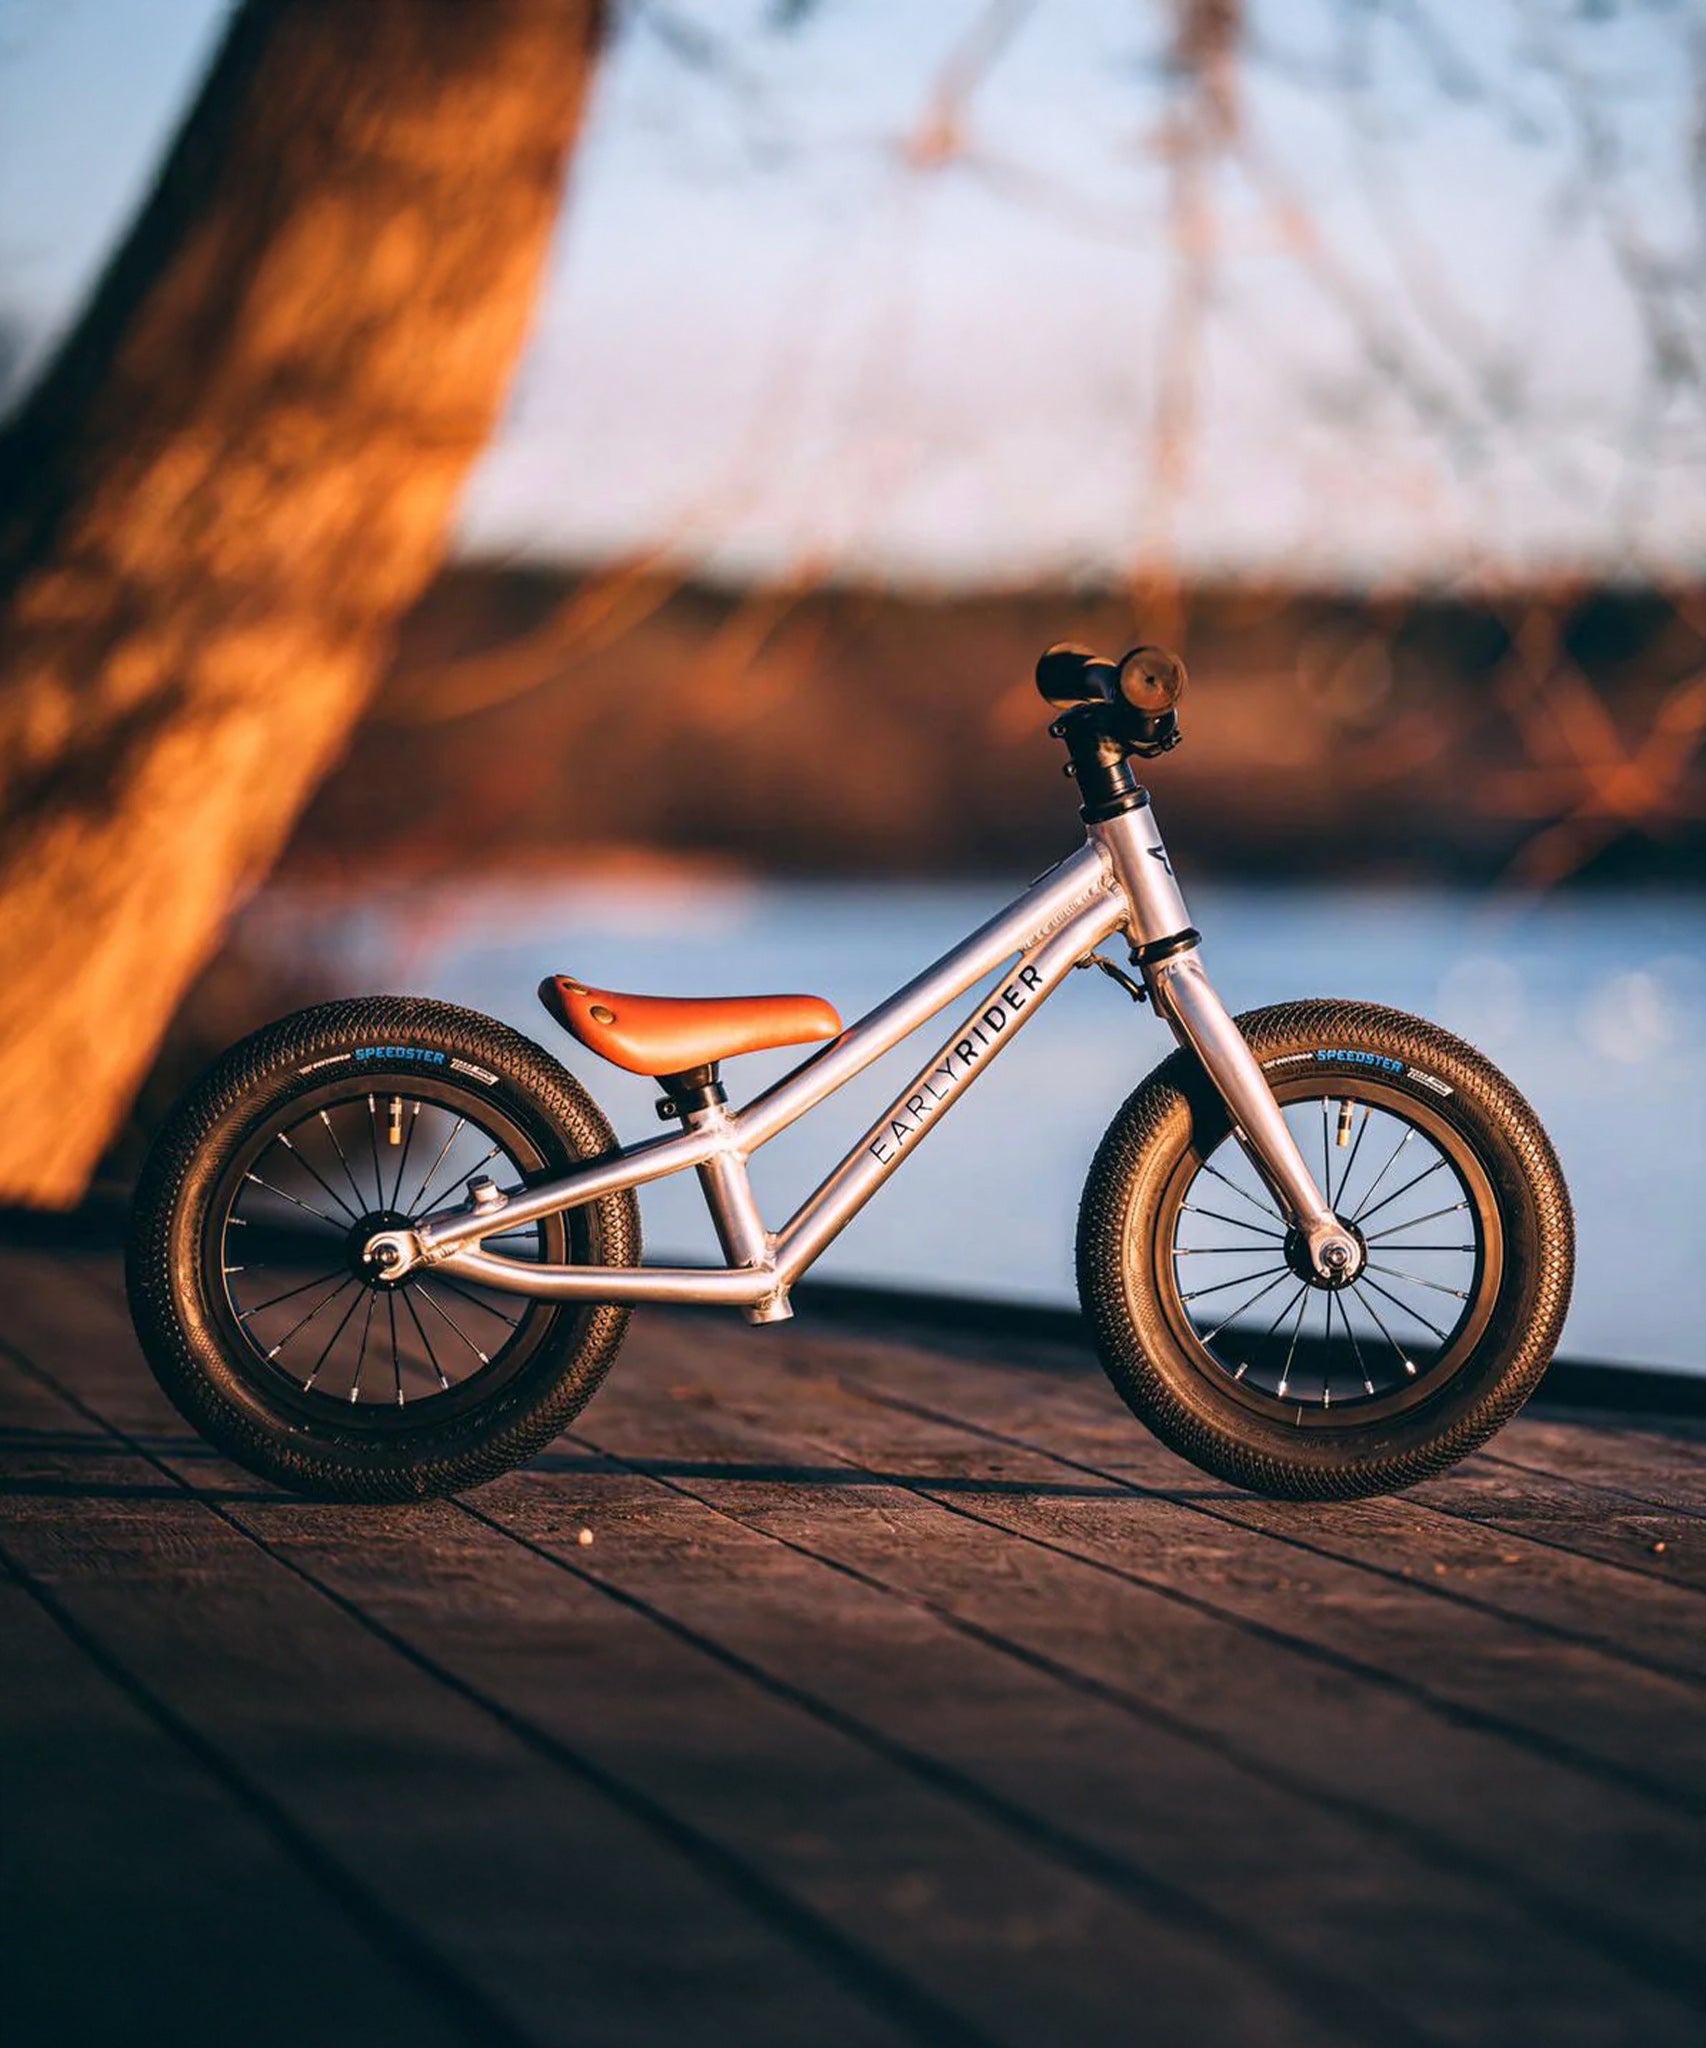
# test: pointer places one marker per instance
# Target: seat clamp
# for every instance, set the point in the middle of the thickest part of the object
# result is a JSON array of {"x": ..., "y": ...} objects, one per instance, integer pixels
[{"x": 686, "y": 1093}]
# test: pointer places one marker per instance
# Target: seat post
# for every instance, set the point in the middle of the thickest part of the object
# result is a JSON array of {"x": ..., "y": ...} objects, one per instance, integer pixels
[{"x": 734, "y": 1207}]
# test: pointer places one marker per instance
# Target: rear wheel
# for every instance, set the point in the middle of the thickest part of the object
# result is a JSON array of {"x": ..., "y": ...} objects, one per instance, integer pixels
[
  {"x": 1210, "y": 1319},
  {"x": 255, "y": 1308}
]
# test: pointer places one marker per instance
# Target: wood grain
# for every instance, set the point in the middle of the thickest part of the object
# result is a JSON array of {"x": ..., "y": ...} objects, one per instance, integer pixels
[{"x": 905, "y": 1693}]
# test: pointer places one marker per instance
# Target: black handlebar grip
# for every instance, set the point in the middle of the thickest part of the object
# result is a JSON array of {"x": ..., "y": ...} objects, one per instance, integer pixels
[
  {"x": 1068, "y": 675},
  {"x": 1150, "y": 680}
]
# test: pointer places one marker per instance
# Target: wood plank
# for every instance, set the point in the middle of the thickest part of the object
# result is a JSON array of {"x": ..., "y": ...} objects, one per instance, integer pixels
[
  {"x": 1465, "y": 1791},
  {"x": 1020, "y": 1940},
  {"x": 1249, "y": 1619},
  {"x": 532, "y": 1891},
  {"x": 1323, "y": 1883},
  {"x": 1571, "y": 1693},
  {"x": 141, "y": 1900},
  {"x": 1652, "y": 1547},
  {"x": 914, "y": 1690},
  {"x": 1641, "y": 1466}
]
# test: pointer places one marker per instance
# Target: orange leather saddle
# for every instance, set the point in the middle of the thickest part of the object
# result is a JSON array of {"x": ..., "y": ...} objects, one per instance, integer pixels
[{"x": 662, "y": 1035}]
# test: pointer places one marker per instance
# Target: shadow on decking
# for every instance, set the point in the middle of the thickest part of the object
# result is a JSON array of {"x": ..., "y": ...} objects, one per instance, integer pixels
[{"x": 89, "y": 1444}]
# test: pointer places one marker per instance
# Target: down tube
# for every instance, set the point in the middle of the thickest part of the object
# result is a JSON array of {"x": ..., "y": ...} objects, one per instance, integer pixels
[{"x": 889, "y": 1141}]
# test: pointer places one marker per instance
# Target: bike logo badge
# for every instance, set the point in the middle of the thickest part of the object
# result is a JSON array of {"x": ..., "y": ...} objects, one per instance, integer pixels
[{"x": 910, "y": 1114}]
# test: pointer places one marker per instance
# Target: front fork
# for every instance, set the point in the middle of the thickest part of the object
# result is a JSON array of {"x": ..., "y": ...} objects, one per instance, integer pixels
[{"x": 1165, "y": 945}]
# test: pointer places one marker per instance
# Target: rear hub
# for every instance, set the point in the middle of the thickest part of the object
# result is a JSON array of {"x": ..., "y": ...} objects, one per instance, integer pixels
[{"x": 374, "y": 1272}]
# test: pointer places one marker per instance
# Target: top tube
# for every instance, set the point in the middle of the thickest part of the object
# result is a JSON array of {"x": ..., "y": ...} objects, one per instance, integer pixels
[{"x": 1050, "y": 902}]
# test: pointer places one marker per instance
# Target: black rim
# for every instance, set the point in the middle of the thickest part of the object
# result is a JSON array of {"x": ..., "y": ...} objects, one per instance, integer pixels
[
  {"x": 305, "y": 1320},
  {"x": 1236, "y": 1285}
]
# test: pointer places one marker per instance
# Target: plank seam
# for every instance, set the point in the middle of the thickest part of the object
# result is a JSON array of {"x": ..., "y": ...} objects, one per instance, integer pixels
[
  {"x": 466, "y": 2006},
  {"x": 1347, "y": 2006},
  {"x": 1660, "y": 1963},
  {"x": 1575, "y": 1479},
  {"x": 1554, "y": 1749},
  {"x": 877, "y": 1983}
]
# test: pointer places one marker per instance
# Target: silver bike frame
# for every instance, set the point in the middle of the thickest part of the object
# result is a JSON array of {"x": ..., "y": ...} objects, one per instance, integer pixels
[{"x": 1119, "y": 880}]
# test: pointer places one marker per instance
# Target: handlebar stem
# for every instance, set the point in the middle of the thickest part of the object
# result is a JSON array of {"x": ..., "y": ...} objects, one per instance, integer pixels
[{"x": 1099, "y": 763}]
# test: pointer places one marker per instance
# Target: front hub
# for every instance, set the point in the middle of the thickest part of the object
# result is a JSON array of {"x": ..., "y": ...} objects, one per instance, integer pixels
[{"x": 1342, "y": 1259}]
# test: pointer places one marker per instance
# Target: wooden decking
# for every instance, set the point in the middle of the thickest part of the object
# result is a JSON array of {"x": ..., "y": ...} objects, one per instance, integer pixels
[{"x": 904, "y": 1693}]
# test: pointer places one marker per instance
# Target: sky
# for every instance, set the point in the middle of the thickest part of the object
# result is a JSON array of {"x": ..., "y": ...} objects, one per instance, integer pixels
[{"x": 1441, "y": 313}]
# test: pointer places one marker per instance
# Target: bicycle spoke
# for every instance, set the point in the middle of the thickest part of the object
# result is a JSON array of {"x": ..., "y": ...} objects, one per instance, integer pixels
[
  {"x": 455, "y": 1132},
  {"x": 1409, "y": 1133},
  {"x": 1236, "y": 1222},
  {"x": 320, "y": 1362},
  {"x": 1327, "y": 1349},
  {"x": 373, "y": 1147},
  {"x": 439, "y": 1309},
  {"x": 1350, "y": 1163},
  {"x": 1415, "y": 1223},
  {"x": 1298, "y": 1297},
  {"x": 1242, "y": 1280},
  {"x": 1356, "y": 1348},
  {"x": 1278, "y": 1280},
  {"x": 361, "y": 1355},
  {"x": 420, "y": 1327},
  {"x": 1415, "y": 1181},
  {"x": 1268, "y": 1215},
  {"x": 288, "y": 1294},
  {"x": 1416, "y": 1280},
  {"x": 474, "y": 1169},
  {"x": 1386, "y": 1294},
  {"x": 361, "y": 1199},
  {"x": 528, "y": 1231},
  {"x": 474, "y": 1301},
  {"x": 396, "y": 1354},
  {"x": 354, "y": 1215},
  {"x": 1404, "y": 1358},
  {"x": 348, "y": 1280},
  {"x": 330, "y": 1221},
  {"x": 1291, "y": 1348},
  {"x": 468, "y": 1173}
]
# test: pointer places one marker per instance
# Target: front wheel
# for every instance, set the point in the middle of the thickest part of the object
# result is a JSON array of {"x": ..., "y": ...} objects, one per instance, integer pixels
[
  {"x": 255, "y": 1308},
  {"x": 1205, "y": 1309}
]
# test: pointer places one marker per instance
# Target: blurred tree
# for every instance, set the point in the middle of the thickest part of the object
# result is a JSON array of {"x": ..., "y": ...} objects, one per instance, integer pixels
[{"x": 233, "y": 479}]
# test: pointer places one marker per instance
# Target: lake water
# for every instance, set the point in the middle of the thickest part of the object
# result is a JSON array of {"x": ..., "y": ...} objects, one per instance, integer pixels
[{"x": 1595, "y": 1005}]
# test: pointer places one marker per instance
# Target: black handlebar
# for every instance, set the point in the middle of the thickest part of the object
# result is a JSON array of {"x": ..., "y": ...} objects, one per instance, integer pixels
[
  {"x": 1068, "y": 675},
  {"x": 1136, "y": 696}
]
